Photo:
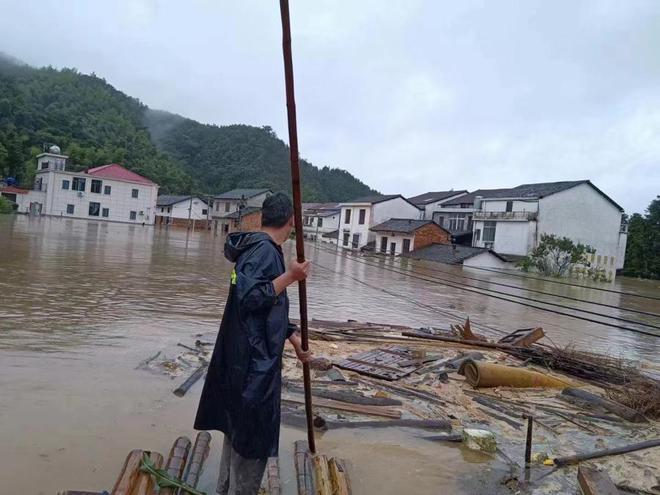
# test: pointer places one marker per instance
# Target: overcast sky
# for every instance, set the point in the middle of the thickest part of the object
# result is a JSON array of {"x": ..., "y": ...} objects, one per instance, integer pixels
[{"x": 409, "y": 96}]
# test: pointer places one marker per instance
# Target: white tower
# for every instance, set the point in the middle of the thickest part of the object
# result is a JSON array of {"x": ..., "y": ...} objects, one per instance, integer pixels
[{"x": 52, "y": 160}]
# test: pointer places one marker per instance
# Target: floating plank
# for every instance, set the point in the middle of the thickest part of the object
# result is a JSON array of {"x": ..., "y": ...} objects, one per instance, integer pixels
[
  {"x": 176, "y": 462},
  {"x": 303, "y": 465},
  {"x": 524, "y": 337},
  {"x": 339, "y": 477},
  {"x": 129, "y": 473},
  {"x": 198, "y": 455},
  {"x": 347, "y": 396},
  {"x": 181, "y": 390},
  {"x": 384, "y": 411},
  {"x": 387, "y": 363},
  {"x": 593, "y": 482},
  {"x": 322, "y": 485},
  {"x": 145, "y": 482}
]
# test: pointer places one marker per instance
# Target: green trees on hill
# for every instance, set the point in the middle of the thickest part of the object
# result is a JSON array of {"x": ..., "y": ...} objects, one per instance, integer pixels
[
  {"x": 95, "y": 124},
  {"x": 643, "y": 247}
]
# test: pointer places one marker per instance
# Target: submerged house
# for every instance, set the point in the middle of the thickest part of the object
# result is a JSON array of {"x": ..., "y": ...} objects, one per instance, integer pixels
[
  {"x": 402, "y": 235},
  {"x": 180, "y": 210},
  {"x": 109, "y": 192},
  {"x": 320, "y": 219},
  {"x": 455, "y": 254},
  {"x": 360, "y": 215},
  {"x": 431, "y": 202},
  {"x": 511, "y": 221},
  {"x": 226, "y": 207}
]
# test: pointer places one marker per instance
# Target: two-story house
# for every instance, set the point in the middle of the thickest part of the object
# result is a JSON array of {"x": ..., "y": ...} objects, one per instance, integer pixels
[
  {"x": 226, "y": 206},
  {"x": 109, "y": 192},
  {"x": 320, "y": 220},
  {"x": 359, "y": 215},
  {"x": 511, "y": 221},
  {"x": 431, "y": 202}
]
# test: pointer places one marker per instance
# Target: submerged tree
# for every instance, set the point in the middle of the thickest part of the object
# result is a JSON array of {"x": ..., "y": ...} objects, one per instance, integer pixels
[
  {"x": 555, "y": 256},
  {"x": 643, "y": 247}
]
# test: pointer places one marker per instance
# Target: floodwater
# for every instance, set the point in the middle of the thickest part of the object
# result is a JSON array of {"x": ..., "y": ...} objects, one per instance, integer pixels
[{"x": 82, "y": 303}]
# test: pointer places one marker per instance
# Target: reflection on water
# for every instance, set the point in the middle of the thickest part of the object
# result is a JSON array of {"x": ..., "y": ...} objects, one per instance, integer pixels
[{"x": 83, "y": 302}]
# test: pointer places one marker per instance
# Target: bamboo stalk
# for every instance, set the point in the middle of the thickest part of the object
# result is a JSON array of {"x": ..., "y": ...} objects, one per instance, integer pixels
[
  {"x": 574, "y": 459},
  {"x": 128, "y": 474},
  {"x": 384, "y": 411},
  {"x": 176, "y": 461},
  {"x": 303, "y": 468},
  {"x": 145, "y": 482},
  {"x": 297, "y": 209},
  {"x": 322, "y": 484},
  {"x": 339, "y": 477},
  {"x": 199, "y": 454}
]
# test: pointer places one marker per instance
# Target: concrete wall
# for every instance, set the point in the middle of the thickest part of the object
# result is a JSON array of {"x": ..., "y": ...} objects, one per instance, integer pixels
[
  {"x": 396, "y": 239},
  {"x": 430, "y": 208},
  {"x": 119, "y": 202},
  {"x": 219, "y": 205},
  {"x": 180, "y": 210},
  {"x": 329, "y": 224},
  {"x": 584, "y": 215},
  {"x": 510, "y": 237},
  {"x": 500, "y": 205},
  {"x": 395, "y": 208}
]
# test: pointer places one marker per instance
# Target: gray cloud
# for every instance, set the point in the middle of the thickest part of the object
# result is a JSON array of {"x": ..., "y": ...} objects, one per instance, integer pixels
[{"x": 407, "y": 95}]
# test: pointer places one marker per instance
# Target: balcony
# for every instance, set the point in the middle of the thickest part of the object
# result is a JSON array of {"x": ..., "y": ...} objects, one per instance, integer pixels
[{"x": 511, "y": 216}]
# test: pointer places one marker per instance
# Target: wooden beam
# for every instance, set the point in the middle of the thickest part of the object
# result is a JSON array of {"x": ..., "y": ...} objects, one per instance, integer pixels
[
  {"x": 383, "y": 411},
  {"x": 128, "y": 474},
  {"x": 593, "y": 482}
]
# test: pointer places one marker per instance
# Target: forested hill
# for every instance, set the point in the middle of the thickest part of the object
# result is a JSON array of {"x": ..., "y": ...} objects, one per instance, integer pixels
[{"x": 96, "y": 124}]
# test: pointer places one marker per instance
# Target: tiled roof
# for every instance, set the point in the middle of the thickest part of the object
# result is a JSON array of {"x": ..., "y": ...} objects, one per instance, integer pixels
[
  {"x": 452, "y": 254},
  {"x": 242, "y": 193},
  {"x": 469, "y": 198},
  {"x": 248, "y": 210},
  {"x": 431, "y": 197},
  {"x": 374, "y": 198},
  {"x": 331, "y": 235},
  {"x": 401, "y": 225},
  {"x": 13, "y": 190},
  {"x": 116, "y": 171},
  {"x": 168, "y": 200}
]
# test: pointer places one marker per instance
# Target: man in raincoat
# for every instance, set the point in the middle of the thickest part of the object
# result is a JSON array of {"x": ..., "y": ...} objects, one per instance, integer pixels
[{"x": 241, "y": 395}]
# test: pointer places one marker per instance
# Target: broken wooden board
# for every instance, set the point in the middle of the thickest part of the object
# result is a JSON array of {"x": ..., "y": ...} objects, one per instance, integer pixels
[
  {"x": 524, "y": 337},
  {"x": 594, "y": 482},
  {"x": 387, "y": 363},
  {"x": 383, "y": 411}
]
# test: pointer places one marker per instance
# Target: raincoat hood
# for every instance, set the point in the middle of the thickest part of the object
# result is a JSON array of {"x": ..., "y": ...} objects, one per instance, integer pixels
[{"x": 239, "y": 242}]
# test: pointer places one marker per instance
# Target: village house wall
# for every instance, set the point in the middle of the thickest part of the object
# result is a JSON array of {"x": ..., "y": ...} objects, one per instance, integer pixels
[{"x": 486, "y": 260}]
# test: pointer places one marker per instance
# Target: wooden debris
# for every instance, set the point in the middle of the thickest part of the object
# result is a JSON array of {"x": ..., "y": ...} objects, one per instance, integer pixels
[
  {"x": 524, "y": 337},
  {"x": 176, "y": 461},
  {"x": 348, "y": 396},
  {"x": 322, "y": 484},
  {"x": 144, "y": 484},
  {"x": 593, "y": 482},
  {"x": 181, "y": 390},
  {"x": 452, "y": 437},
  {"x": 384, "y": 363},
  {"x": 198, "y": 455},
  {"x": 384, "y": 411},
  {"x": 297, "y": 420},
  {"x": 575, "y": 459},
  {"x": 584, "y": 397},
  {"x": 335, "y": 375},
  {"x": 272, "y": 475},
  {"x": 339, "y": 477},
  {"x": 128, "y": 474},
  {"x": 304, "y": 476}
]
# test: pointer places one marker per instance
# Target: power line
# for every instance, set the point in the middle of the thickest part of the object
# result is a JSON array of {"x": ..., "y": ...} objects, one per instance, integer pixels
[
  {"x": 468, "y": 288},
  {"x": 519, "y": 275}
]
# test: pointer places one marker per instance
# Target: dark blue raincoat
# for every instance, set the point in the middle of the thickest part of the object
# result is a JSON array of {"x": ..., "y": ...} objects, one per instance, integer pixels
[{"x": 241, "y": 395}]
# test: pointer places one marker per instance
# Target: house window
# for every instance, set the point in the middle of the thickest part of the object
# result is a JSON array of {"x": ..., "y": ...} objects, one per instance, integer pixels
[
  {"x": 347, "y": 238},
  {"x": 319, "y": 222},
  {"x": 347, "y": 216},
  {"x": 96, "y": 186},
  {"x": 363, "y": 214},
  {"x": 105, "y": 212},
  {"x": 69, "y": 209},
  {"x": 356, "y": 241},
  {"x": 94, "y": 209},
  {"x": 44, "y": 165},
  {"x": 134, "y": 193},
  {"x": 477, "y": 235},
  {"x": 205, "y": 212},
  {"x": 509, "y": 206},
  {"x": 169, "y": 209},
  {"x": 132, "y": 215},
  {"x": 406, "y": 245},
  {"x": 383, "y": 244},
  {"x": 489, "y": 231},
  {"x": 457, "y": 222},
  {"x": 78, "y": 184},
  {"x": 65, "y": 184},
  {"x": 227, "y": 206},
  {"x": 107, "y": 190}
]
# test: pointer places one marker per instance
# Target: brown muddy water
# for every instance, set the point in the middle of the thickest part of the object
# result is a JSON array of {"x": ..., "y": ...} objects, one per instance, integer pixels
[{"x": 82, "y": 303}]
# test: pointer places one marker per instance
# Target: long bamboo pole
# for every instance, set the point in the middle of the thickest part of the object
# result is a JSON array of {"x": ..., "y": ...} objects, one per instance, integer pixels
[{"x": 297, "y": 209}]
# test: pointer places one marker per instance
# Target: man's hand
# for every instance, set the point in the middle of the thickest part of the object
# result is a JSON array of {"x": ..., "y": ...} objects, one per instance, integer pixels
[
  {"x": 299, "y": 271},
  {"x": 304, "y": 356}
]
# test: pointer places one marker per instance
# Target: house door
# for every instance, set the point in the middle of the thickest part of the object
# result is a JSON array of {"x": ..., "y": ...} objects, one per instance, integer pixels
[
  {"x": 406, "y": 245},
  {"x": 383, "y": 244},
  {"x": 392, "y": 247},
  {"x": 356, "y": 241}
]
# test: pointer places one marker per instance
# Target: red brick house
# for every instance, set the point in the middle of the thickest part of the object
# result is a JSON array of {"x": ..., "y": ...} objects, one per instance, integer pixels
[{"x": 402, "y": 235}]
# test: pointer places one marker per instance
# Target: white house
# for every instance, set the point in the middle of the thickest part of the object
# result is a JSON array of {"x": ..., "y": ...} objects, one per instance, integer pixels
[
  {"x": 358, "y": 216},
  {"x": 511, "y": 221},
  {"x": 431, "y": 202},
  {"x": 179, "y": 209},
  {"x": 231, "y": 201},
  {"x": 109, "y": 192},
  {"x": 320, "y": 219}
]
